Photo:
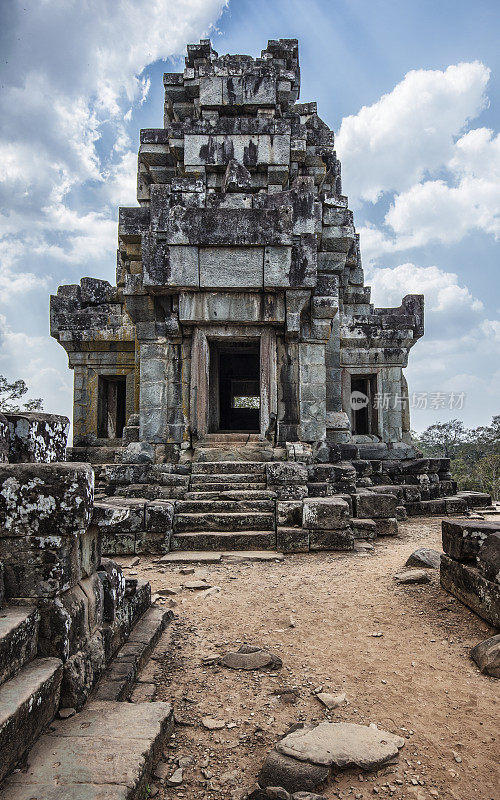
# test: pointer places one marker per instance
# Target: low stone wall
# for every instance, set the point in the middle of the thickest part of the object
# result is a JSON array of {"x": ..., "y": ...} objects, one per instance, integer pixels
[{"x": 470, "y": 566}]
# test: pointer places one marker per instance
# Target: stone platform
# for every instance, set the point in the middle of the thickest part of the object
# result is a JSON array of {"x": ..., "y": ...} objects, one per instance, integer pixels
[{"x": 106, "y": 752}]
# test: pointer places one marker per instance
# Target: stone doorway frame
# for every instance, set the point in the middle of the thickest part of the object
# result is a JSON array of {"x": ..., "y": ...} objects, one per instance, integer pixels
[{"x": 200, "y": 371}]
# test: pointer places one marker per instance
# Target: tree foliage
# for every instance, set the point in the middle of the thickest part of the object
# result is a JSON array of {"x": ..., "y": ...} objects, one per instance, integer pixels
[
  {"x": 474, "y": 452},
  {"x": 10, "y": 393}
]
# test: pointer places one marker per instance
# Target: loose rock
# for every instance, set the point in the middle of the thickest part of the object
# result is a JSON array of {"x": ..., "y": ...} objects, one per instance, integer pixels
[
  {"x": 412, "y": 576},
  {"x": 331, "y": 700},
  {"x": 424, "y": 557},
  {"x": 212, "y": 724},
  {"x": 250, "y": 657}
]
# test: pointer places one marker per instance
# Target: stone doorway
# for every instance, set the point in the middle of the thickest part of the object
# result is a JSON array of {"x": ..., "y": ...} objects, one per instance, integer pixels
[{"x": 234, "y": 395}]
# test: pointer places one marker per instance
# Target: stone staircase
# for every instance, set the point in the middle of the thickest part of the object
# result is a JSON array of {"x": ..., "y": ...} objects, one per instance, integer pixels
[
  {"x": 227, "y": 507},
  {"x": 29, "y": 686}
]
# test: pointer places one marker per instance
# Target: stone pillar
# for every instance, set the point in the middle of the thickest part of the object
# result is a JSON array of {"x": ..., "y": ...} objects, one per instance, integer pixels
[
  {"x": 200, "y": 358},
  {"x": 268, "y": 389},
  {"x": 312, "y": 391},
  {"x": 153, "y": 400}
]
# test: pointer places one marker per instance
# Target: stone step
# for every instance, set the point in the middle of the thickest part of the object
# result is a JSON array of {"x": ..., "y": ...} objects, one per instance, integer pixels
[
  {"x": 223, "y": 486},
  {"x": 232, "y": 437},
  {"x": 222, "y": 505},
  {"x": 230, "y": 521},
  {"x": 215, "y": 557},
  {"x": 242, "y": 494},
  {"x": 234, "y": 467},
  {"x": 224, "y": 541},
  {"x": 28, "y": 702},
  {"x": 18, "y": 638},
  {"x": 118, "y": 680},
  {"x": 204, "y": 479},
  {"x": 106, "y": 752}
]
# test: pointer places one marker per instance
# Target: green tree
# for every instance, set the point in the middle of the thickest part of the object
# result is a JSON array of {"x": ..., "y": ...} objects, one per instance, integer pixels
[
  {"x": 12, "y": 392},
  {"x": 474, "y": 453},
  {"x": 443, "y": 439}
]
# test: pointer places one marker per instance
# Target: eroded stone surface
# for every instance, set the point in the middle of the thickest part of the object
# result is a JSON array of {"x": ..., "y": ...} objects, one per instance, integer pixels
[
  {"x": 342, "y": 745},
  {"x": 248, "y": 658}
]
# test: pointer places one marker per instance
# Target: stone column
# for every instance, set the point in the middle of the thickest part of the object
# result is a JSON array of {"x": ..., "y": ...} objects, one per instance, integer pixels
[
  {"x": 312, "y": 391},
  {"x": 199, "y": 383}
]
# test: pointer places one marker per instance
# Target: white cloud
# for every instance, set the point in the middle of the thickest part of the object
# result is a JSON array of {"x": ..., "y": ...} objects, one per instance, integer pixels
[
  {"x": 459, "y": 346},
  {"x": 435, "y": 211},
  {"x": 409, "y": 132},
  {"x": 71, "y": 74},
  {"x": 441, "y": 289}
]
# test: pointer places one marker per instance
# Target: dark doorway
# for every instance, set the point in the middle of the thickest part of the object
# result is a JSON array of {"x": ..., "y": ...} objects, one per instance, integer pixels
[
  {"x": 111, "y": 410},
  {"x": 363, "y": 390},
  {"x": 239, "y": 387}
]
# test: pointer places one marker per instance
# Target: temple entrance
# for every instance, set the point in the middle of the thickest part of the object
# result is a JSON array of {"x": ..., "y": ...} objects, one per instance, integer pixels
[
  {"x": 235, "y": 386},
  {"x": 111, "y": 411}
]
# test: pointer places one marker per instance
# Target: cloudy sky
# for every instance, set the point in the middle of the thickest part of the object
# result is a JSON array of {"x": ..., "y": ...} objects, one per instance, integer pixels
[{"x": 411, "y": 90}]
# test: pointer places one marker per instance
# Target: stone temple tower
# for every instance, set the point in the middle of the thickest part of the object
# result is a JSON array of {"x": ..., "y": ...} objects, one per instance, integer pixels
[{"x": 240, "y": 306}]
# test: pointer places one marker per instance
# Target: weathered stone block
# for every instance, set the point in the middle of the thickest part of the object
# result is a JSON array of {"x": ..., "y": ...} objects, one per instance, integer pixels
[
  {"x": 488, "y": 557},
  {"x": 466, "y": 582},
  {"x": 159, "y": 516},
  {"x": 36, "y": 686},
  {"x": 81, "y": 672},
  {"x": 286, "y": 473},
  {"x": 462, "y": 539},
  {"x": 231, "y": 267},
  {"x": 45, "y": 499},
  {"x": 37, "y": 437},
  {"x": 18, "y": 638},
  {"x": 289, "y": 513},
  {"x": 290, "y": 492},
  {"x": 40, "y": 566},
  {"x": 292, "y": 540},
  {"x": 363, "y": 528},
  {"x": 4, "y": 439},
  {"x": 386, "y": 527},
  {"x": 89, "y": 543},
  {"x": 373, "y": 506},
  {"x": 331, "y": 540},
  {"x": 113, "y": 583},
  {"x": 94, "y": 591},
  {"x": 325, "y": 513},
  {"x": 64, "y": 624}
]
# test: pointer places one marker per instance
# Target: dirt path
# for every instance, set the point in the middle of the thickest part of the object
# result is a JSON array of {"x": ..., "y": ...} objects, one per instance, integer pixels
[{"x": 416, "y": 679}]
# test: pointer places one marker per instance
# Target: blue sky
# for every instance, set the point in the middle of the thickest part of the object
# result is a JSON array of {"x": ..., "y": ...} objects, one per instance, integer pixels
[{"x": 411, "y": 90}]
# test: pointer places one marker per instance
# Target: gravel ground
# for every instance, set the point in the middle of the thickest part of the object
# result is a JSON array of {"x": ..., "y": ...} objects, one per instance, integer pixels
[{"x": 319, "y": 613}]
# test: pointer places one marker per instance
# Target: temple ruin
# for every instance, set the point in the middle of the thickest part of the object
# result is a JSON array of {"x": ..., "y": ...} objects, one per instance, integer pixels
[
  {"x": 236, "y": 390},
  {"x": 240, "y": 303}
]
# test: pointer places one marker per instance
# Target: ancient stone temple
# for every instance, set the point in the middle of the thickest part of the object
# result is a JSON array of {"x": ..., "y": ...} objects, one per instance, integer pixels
[{"x": 240, "y": 306}]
